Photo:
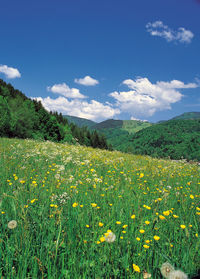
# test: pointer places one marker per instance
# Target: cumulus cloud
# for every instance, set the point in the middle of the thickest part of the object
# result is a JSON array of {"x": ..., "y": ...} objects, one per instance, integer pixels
[
  {"x": 9, "y": 71},
  {"x": 145, "y": 98},
  {"x": 63, "y": 89},
  {"x": 137, "y": 119},
  {"x": 181, "y": 35},
  {"x": 87, "y": 81},
  {"x": 92, "y": 110}
]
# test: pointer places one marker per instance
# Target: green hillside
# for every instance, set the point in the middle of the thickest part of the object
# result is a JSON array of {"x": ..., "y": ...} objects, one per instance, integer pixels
[
  {"x": 119, "y": 132},
  {"x": 22, "y": 117},
  {"x": 80, "y": 122},
  {"x": 187, "y": 116},
  {"x": 175, "y": 139}
]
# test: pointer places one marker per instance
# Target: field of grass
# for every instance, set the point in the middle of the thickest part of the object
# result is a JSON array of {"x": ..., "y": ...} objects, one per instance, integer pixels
[{"x": 89, "y": 213}]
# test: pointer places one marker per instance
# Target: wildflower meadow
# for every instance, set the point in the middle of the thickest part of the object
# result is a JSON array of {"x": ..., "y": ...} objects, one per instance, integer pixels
[{"x": 76, "y": 212}]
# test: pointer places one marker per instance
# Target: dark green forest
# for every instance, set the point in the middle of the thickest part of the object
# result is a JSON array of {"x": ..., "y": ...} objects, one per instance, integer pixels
[
  {"x": 22, "y": 117},
  {"x": 175, "y": 139}
]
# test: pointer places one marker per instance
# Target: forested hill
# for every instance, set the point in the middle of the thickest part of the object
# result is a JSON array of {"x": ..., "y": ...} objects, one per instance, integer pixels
[
  {"x": 187, "y": 116},
  {"x": 80, "y": 122},
  {"x": 175, "y": 139},
  {"x": 26, "y": 118}
]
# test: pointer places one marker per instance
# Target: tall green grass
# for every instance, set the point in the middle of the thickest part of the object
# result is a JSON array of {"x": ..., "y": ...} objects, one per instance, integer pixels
[{"x": 65, "y": 199}]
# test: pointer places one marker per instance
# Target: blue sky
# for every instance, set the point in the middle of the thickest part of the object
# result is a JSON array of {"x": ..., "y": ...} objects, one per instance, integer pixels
[{"x": 122, "y": 59}]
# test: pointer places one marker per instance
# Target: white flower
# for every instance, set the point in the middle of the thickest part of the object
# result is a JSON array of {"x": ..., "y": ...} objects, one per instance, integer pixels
[
  {"x": 177, "y": 274},
  {"x": 166, "y": 269},
  {"x": 12, "y": 224},
  {"x": 110, "y": 237}
]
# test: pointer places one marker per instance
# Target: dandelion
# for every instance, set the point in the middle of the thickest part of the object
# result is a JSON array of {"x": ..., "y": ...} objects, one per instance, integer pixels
[
  {"x": 100, "y": 224},
  {"x": 136, "y": 268},
  {"x": 175, "y": 216},
  {"x": 142, "y": 231},
  {"x": 166, "y": 213},
  {"x": 177, "y": 274},
  {"x": 133, "y": 216},
  {"x": 12, "y": 224},
  {"x": 146, "y": 246},
  {"x": 110, "y": 236},
  {"x": 147, "y": 222},
  {"x": 166, "y": 269},
  {"x": 102, "y": 239},
  {"x": 183, "y": 227},
  {"x": 156, "y": 237},
  {"x": 192, "y": 197},
  {"x": 118, "y": 222},
  {"x": 146, "y": 275},
  {"x": 75, "y": 204},
  {"x": 137, "y": 238},
  {"x": 161, "y": 217}
]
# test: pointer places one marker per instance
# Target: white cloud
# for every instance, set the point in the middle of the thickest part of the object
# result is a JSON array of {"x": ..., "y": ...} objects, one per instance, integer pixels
[
  {"x": 137, "y": 119},
  {"x": 63, "y": 89},
  {"x": 181, "y": 35},
  {"x": 145, "y": 98},
  {"x": 87, "y": 81},
  {"x": 90, "y": 110},
  {"x": 9, "y": 71}
]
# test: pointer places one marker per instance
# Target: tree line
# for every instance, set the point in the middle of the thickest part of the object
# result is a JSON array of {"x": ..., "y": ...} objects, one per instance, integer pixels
[{"x": 23, "y": 117}]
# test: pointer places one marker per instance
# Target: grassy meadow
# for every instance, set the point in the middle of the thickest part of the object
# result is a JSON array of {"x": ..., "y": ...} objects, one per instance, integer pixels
[{"x": 89, "y": 213}]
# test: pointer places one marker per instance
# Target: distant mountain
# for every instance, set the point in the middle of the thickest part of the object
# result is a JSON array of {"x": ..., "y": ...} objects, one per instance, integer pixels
[
  {"x": 175, "y": 139},
  {"x": 187, "y": 116},
  {"x": 118, "y": 133},
  {"x": 80, "y": 122}
]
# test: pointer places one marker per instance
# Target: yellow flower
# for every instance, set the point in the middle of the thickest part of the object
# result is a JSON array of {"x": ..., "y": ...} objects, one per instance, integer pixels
[
  {"x": 118, "y": 222},
  {"x": 123, "y": 231},
  {"x": 125, "y": 226},
  {"x": 133, "y": 216},
  {"x": 93, "y": 204},
  {"x": 141, "y": 175},
  {"x": 175, "y": 216},
  {"x": 166, "y": 213},
  {"x": 147, "y": 241},
  {"x": 142, "y": 231},
  {"x": 87, "y": 226},
  {"x": 136, "y": 268},
  {"x": 182, "y": 226},
  {"x": 75, "y": 204},
  {"x": 102, "y": 239},
  {"x": 161, "y": 217},
  {"x": 147, "y": 222},
  {"x": 192, "y": 197},
  {"x": 137, "y": 238},
  {"x": 146, "y": 246},
  {"x": 156, "y": 237},
  {"x": 100, "y": 224}
]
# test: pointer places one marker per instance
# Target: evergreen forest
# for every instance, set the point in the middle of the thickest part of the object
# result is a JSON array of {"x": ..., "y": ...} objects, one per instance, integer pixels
[{"x": 22, "y": 117}]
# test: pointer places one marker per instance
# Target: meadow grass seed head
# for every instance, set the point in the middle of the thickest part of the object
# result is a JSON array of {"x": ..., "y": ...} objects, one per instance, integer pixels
[
  {"x": 12, "y": 224},
  {"x": 166, "y": 269},
  {"x": 177, "y": 274}
]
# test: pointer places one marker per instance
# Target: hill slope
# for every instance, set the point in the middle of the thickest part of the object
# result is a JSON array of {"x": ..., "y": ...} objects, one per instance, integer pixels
[
  {"x": 80, "y": 122},
  {"x": 119, "y": 132},
  {"x": 26, "y": 118},
  {"x": 188, "y": 116},
  {"x": 175, "y": 139}
]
